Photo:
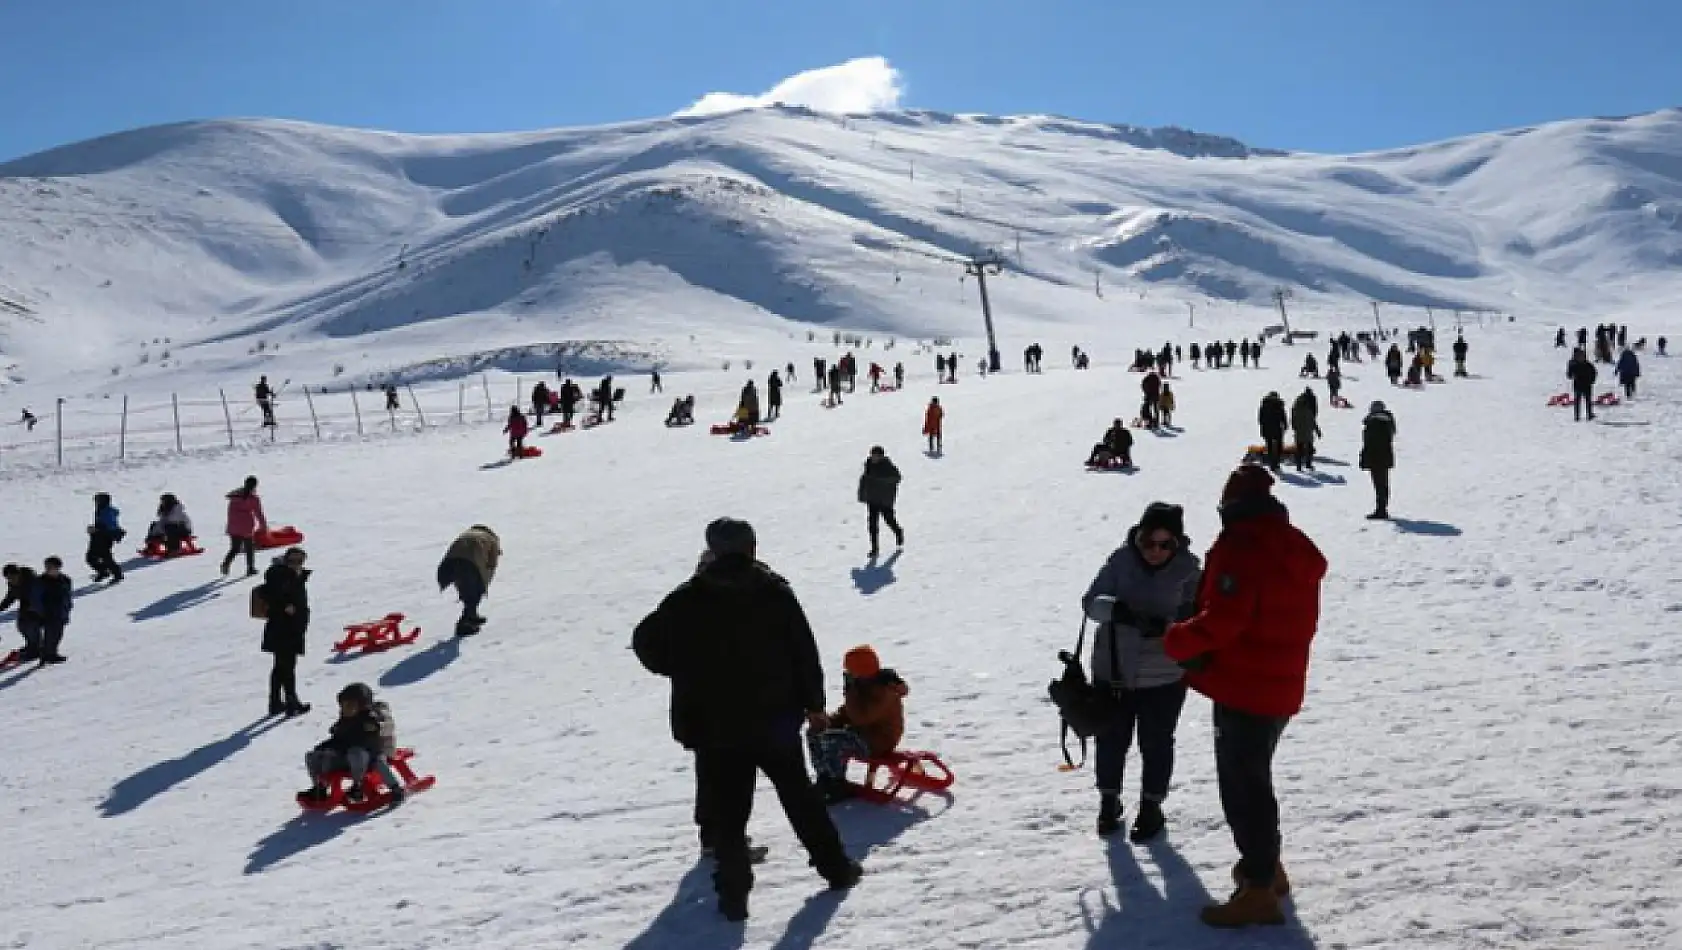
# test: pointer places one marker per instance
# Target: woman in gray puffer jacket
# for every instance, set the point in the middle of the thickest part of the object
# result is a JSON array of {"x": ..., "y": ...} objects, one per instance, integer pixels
[{"x": 1148, "y": 583}]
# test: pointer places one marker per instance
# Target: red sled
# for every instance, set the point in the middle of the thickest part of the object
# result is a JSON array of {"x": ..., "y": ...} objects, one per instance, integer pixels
[
  {"x": 1607, "y": 399},
  {"x": 378, "y": 796},
  {"x": 917, "y": 772},
  {"x": 1342, "y": 403},
  {"x": 282, "y": 537},
  {"x": 155, "y": 550},
  {"x": 16, "y": 656},
  {"x": 527, "y": 452},
  {"x": 725, "y": 428},
  {"x": 1560, "y": 399},
  {"x": 376, "y": 637}
]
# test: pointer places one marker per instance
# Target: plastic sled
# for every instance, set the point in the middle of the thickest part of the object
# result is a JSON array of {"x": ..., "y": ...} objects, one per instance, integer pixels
[
  {"x": 887, "y": 389},
  {"x": 1109, "y": 466},
  {"x": 916, "y": 772},
  {"x": 1342, "y": 403},
  {"x": 11, "y": 658},
  {"x": 726, "y": 428},
  {"x": 376, "y": 637},
  {"x": 1607, "y": 399},
  {"x": 155, "y": 549},
  {"x": 1258, "y": 453},
  {"x": 560, "y": 427},
  {"x": 528, "y": 452},
  {"x": 1562, "y": 399},
  {"x": 378, "y": 795},
  {"x": 283, "y": 537}
]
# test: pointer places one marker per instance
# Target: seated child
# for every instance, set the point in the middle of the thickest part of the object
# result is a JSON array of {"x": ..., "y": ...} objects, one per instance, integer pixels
[
  {"x": 683, "y": 411},
  {"x": 363, "y": 737},
  {"x": 868, "y": 724},
  {"x": 1117, "y": 444}
]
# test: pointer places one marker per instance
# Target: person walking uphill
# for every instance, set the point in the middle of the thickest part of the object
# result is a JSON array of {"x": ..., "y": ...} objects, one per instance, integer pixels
[
  {"x": 1629, "y": 370},
  {"x": 245, "y": 521},
  {"x": 1272, "y": 419},
  {"x": 54, "y": 598},
  {"x": 745, "y": 674},
  {"x": 285, "y": 594},
  {"x": 934, "y": 420},
  {"x": 516, "y": 430},
  {"x": 1148, "y": 583},
  {"x": 103, "y": 535},
  {"x": 1305, "y": 428},
  {"x": 20, "y": 590},
  {"x": 1582, "y": 374},
  {"x": 1246, "y": 649},
  {"x": 878, "y": 491},
  {"x": 470, "y": 565},
  {"x": 1378, "y": 456}
]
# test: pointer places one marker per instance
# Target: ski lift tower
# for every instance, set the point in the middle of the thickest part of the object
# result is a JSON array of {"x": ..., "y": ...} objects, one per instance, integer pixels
[{"x": 979, "y": 267}]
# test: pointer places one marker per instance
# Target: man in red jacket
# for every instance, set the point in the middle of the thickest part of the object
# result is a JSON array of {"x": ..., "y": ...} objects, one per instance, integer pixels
[{"x": 1247, "y": 650}]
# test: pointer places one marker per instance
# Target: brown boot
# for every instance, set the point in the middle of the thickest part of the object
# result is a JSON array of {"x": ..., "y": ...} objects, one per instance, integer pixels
[
  {"x": 1249, "y": 906},
  {"x": 1281, "y": 883}
]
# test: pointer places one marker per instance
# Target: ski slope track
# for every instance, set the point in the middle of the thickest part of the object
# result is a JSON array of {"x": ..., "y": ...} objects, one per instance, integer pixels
[
  {"x": 1488, "y": 757},
  {"x": 688, "y": 238}
]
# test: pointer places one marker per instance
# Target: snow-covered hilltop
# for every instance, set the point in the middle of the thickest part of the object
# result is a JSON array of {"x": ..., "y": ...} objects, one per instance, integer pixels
[{"x": 218, "y": 235}]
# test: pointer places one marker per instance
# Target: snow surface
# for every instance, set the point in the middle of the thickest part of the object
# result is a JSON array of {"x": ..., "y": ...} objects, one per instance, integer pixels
[
  {"x": 1489, "y": 756},
  {"x": 696, "y": 239}
]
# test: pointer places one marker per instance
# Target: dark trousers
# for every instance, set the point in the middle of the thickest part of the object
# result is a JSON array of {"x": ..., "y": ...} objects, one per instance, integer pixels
[
  {"x": 1151, "y": 714},
  {"x": 1629, "y": 388},
  {"x": 1381, "y": 489},
  {"x": 283, "y": 679},
  {"x": 516, "y": 445},
  {"x": 1582, "y": 399},
  {"x": 724, "y": 802},
  {"x": 175, "y": 535},
  {"x": 567, "y": 413},
  {"x": 100, "y": 558},
  {"x": 1305, "y": 450},
  {"x": 1244, "y": 747},
  {"x": 537, "y": 409},
  {"x": 879, "y": 514},
  {"x": 52, "y": 634},
  {"x": 30, "y": 629},
  {"x": 238, "y": 546},
  {"x": 1275, "y": 442},
  {"x": 268, "y": 411}
]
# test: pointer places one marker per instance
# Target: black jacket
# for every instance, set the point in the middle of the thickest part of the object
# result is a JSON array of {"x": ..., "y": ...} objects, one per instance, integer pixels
[
  {"x": 741, "y": 657},
  {"x": 283, "y": 587},
  {"x": 1271, "y": 417},
  {"x": 879, "y": 483},
  {"x": 53, "y": 598},
  {"x": 361, "y": 731},
  {"x": 20, "y": 590},
  {"x": 1378, "y": 437},
  {"x": 1582, "y": 374}
]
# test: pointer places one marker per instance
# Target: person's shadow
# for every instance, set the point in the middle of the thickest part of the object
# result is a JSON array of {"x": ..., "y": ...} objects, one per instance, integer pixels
[
  {"x": 1147, "y": 918},
  {"x": 1435, "y": 529},
  {"x": 306, "y": 831},
  {"x": 418, "y": 666},
  {"x": 154, "y": 780},
  {"x": 179, "y": 601},
  {"x": 691, "y": 920},
  {"x": 500, "y": 463},
  {"x": 874, "y": 576}
]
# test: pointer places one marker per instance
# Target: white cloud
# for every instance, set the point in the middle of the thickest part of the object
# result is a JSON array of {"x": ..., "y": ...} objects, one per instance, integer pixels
[{"x": 867, "y": 84}]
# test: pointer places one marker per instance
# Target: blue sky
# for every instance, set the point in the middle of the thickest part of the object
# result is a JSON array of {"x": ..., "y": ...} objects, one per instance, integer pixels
[{"x": 1324, "y": 75}]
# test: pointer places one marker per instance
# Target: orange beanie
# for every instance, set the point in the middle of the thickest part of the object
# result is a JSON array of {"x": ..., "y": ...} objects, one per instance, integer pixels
[{"x": 861, "y": 663}]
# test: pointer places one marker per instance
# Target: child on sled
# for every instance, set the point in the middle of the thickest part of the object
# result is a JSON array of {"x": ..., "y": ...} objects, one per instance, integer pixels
[
  {"x": 364, "y": 736},
  {"x": 869, "y": 723}
]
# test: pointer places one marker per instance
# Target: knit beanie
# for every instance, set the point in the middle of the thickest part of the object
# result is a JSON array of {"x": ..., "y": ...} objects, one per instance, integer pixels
[
  {"x": 861, "y": 663},
  {"x": 1247, "y": 481},
  {"x": 1161, "y": 516},
  {"x": 730, "y": 536}
]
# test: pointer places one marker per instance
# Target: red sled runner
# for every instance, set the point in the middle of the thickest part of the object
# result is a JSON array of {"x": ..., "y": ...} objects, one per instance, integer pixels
[
  {"x": 729, "y": 428},
  {"x": 378, "y": 796},
  {"x": 1339, "y": 402},
  {"x": 155, "y": 550},
  {"x": 917, "y": 771},
  {"x": 283, "y": 537},
  {"x": 10, "y": 659},
  {"x": 376, "y": 637},
  {"x": 526, "y": 452}
]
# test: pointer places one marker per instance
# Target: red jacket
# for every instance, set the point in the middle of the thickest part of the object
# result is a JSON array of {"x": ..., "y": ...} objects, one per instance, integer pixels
[
  {"x": 1257, "y": 610},
  {"x": 245, "y": 514},
  {"x": 932, "y": 419}
]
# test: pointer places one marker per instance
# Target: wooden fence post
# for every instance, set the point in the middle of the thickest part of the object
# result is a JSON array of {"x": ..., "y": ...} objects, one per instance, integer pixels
[
  {"x": 58, "y": 412},
  {"x": 416, "y": 402},
  {"x": 355, "y": 404},
  {"x": 175, "y": 407},
  {"x": 484, "y": 381},
  {"x": 122, "y": 433},
  {"x": 227, "y": 416}
]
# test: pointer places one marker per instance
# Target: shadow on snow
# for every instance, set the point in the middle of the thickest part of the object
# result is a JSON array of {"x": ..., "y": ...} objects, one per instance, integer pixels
[
  {"x": 874, "y": 576},
  {"x": 418, "y": 666},
  {"x": 154, "y": 780}
]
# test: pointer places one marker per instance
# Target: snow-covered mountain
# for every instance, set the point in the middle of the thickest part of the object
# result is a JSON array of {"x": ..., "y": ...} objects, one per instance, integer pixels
[{"x": 323, "y": 241}]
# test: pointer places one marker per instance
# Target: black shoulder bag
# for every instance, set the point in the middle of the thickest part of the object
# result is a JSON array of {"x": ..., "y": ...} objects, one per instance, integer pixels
[{"x": 1087, "y": 710}]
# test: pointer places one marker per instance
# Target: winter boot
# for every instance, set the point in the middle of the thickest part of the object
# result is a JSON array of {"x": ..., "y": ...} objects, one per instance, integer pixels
[
  {"x": 1247, "y": 907},
  {"x": 315, "y": 793},
  {"x": 296, "y": 709},
  {"x": 1379, "y": 515},
  {"x": 845, "y": 877},
  {"x": 733, "y": 908},
  {"x": 277, "y": 707},
  {"x": 1148, "y": 823},
  {"x": 356, "y": 794},
  {"x": 1281, "y": 883},
  {"x": 1109, "y": 815}
]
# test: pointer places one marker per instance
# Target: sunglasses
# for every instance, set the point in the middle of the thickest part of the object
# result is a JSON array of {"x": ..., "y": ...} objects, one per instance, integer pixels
[{"x": 1169, "y": 545}]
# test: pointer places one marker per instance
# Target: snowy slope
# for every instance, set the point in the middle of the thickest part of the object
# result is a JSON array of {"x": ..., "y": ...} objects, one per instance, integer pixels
[
  {"x": 374, "y": 251},
  {"x": 1488, "y": 757}
]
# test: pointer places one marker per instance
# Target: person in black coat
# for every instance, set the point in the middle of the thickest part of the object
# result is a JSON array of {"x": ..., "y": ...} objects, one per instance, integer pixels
[
  {"x": 1378, "y": 456},
  {"x": 1273, "y": 419},
  {"x": 20, "y": 589},
  {"x": 286, "y": 591},
  {"x": 571, "y": 396},
  {"x": 745, "y": 673},
  {"x": 773, "y": 397},
  {"x": 878, "y": 491},
  {"x": 54, "y": 597},
  {"x": 1582, "y": 374},
  {"x": 1460, "y": 348}
]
